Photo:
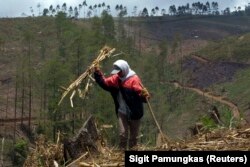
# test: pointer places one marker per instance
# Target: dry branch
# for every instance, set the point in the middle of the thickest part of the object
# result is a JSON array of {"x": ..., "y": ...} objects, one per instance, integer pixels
[
  {"x": 78, "y": 159},
  {"x": 105, "y": 52}
]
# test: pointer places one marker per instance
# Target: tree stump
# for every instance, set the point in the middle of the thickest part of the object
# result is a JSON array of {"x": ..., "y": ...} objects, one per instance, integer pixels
[{"x": 86, "y": 140}]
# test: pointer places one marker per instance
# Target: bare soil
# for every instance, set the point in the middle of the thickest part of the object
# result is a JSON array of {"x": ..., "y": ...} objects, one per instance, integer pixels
[{"x": 203, "y": 73}]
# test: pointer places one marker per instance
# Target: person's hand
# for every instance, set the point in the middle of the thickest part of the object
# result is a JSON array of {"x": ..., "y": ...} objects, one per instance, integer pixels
[
  {"x": 97, "y": 67},
  {"x": 145, "y": 93}
]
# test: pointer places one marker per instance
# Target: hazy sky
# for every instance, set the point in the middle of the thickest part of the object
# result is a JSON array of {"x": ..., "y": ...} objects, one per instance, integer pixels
[{"x": 15, "y": 8}]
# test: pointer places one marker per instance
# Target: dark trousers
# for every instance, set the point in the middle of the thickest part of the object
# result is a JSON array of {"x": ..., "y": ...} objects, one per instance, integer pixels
[{"x": 127, "y": 128}]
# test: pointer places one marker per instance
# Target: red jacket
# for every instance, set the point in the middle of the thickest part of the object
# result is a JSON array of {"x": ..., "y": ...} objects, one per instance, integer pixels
[{"x": 130, "y": 89}]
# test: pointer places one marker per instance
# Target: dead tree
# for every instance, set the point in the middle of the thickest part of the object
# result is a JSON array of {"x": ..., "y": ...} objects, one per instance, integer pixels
[{"x": 215, "y": 115}]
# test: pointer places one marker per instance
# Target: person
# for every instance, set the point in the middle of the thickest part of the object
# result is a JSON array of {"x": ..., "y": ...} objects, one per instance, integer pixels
[{"x": 128, "y": 95}]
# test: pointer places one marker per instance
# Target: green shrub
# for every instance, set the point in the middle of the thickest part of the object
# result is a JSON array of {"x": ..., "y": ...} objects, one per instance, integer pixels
[
  {"x": 208, "y": 123},
  {"x": 20, "y": 152}
]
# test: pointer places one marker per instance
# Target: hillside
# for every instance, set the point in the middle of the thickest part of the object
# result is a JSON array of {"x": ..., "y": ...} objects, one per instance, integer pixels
[
  {"x": 204, "y": 27},
  {"x": 196, "y": 30},
  {"x": 39, "y": 56}
]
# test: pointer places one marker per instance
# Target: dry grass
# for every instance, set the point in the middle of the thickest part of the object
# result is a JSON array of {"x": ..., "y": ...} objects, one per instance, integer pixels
[{"x": 45, "y": 154}]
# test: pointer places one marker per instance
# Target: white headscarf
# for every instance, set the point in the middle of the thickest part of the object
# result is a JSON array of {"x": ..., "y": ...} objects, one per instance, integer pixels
[{"x": 126, "y": 71}]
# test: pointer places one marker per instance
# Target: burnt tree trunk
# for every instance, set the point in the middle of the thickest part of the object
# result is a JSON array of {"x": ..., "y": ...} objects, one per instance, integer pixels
[{"x": 87, "y": 139}]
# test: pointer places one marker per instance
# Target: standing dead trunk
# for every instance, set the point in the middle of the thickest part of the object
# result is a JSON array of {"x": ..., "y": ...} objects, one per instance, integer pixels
[{"x": 86, "y": 140}]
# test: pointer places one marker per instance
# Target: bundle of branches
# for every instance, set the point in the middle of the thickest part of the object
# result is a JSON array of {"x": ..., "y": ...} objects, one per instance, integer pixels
[
  {"x": 219, "y": 139},
  {"x": 105, "y": 52},
  {"x": 45, "y": 154}
]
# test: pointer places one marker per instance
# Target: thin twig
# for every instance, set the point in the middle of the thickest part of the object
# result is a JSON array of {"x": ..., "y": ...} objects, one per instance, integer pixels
[{"x": 78, "y": 159}]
